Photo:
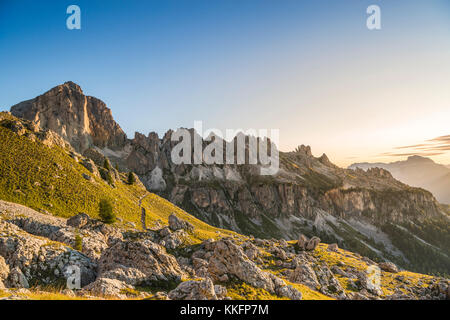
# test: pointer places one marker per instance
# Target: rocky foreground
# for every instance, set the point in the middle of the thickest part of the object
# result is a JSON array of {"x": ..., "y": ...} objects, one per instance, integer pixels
[{"x": 37, "y": 254}]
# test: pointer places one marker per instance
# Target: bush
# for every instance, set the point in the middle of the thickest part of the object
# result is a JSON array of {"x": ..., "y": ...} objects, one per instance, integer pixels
[
  {"x": 78, "y": 242},
  {"x": 131, "y": 178},
  {"x": 109, "y": 178},
  {"x": 107, "y": 164},
  {"x": 106, "y": 211}
]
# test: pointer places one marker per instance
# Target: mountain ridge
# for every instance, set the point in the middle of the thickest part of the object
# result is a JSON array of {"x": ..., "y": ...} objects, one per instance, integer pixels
[
  {"x": 308, "y": 195},
  {"x": 419, "y": 172}
]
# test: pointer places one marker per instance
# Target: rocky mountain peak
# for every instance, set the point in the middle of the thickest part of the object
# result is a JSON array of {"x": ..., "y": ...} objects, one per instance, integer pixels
[
  {"x": 305, "y": 150},
  {"x": 325, "y": 160},
  {"x": 379, "y": 172},
  {"x": 72, "y": 86},
  {"x": 81, "y": 120}
]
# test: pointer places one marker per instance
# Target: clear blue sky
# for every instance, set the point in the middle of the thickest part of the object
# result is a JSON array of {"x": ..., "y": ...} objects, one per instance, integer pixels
[{"x": 310, "y": 68}]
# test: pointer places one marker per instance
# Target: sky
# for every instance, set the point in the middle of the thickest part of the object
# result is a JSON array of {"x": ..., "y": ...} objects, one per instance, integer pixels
[{"x": 311, "y": 69}]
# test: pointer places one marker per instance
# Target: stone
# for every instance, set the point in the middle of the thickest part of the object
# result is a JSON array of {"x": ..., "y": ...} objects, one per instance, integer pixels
[
  {"x": 144, "y": 255},
  {"x": 229, "y": 259},
  {"x": 4, "y": 270},
  {"x": 290, "y": 292},
  {"x": 388, "y": 267},
  {"x": 78, "y": 221},
  {"x": 31, "y": 256},
  {"x": 302, "y": 241},
  {"x": 91, "y": 167},
  {"x": 130, "y": 276},
  {"x": 312, "y": 243},
  {"x": 195, "y": 290},
  {"x": 17, "y": 279},
  {"x": 333, "y": 247},
  {"x": 305, "y": 274},
  {"x": 174, "y": 239},
  {"x": 176, "y": 223},
  {"x": 221, "y": 291},
  {"x": 106, "y": 287}
]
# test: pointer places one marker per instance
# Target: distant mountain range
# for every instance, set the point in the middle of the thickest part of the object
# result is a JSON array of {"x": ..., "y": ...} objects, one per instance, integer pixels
[{"x": 418, "y": 172}]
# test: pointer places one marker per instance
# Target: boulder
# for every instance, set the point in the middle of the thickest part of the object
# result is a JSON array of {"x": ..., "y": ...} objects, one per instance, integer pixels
[
  {"x": 250, "y": 250},
  {"x": 130, "y": 276},
  {"x": 305, "y": 274},
  {"x": 32, "y": 257},
  {"x": 302, "y": 241},
  {"x": 333, "y": 247},
  {"x": 174, "y": 239},
  {"x": 312, "y": 243},
  {"x": 91, "y": 167},
  {"x": 369, "y": 283},
  {"x": 176, "y": 223},
  {"x": 221, "y": 291},
  {"x": 289, "y": 292},
  {"x": 388, "y": 267},
  {"x": 195, "y": 290},
  {"x": 16, "y": 279},
  {"x": 229, "y": 259},
  {"x": 106, "y": 287},
  {"x": 144, "y": 255},
  {"x": 4, "y": 270},
  {"x": 78, "y": 221}
]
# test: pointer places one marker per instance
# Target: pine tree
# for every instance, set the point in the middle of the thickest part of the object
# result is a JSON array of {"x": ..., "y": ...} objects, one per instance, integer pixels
[
  {"x": 78, "y": 242},
  {"x": 131, "y": 178},
  {"x": 109, "y": 178},
  {"x": 106, "y": 211},
  {"x": 107, "y": 164}
]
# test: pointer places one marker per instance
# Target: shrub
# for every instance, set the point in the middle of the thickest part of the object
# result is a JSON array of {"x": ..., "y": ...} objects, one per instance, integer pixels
[
  {"x": 131, "y": 178},
  {"x": 78, "y": 242},
  {"x": 107, "y": 165},
  {"x": 106, "y": 211},
  {"x": 109, "y": 178}
]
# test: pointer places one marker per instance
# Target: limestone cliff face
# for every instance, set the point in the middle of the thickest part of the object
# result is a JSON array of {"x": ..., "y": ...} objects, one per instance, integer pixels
[
  {"x": 237, "y": 197},
  {"x": 81, "y": 120}
]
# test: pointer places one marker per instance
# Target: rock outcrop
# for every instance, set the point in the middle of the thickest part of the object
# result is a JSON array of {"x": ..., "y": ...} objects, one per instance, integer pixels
[
  {"x": 176, "y": 224},
  {"x": 388, "y": 267},
  {"x": 4, "y": 272},
  {"x": 195, "y": 290},
  {"x": 81, "y": 120},
  {"x": 143, "y": 255},
  {"x": 34, "y": 260}
]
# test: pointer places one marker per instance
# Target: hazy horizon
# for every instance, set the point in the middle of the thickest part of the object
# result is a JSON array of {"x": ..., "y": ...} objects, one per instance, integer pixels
[{"x": 312, "y": 70}]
